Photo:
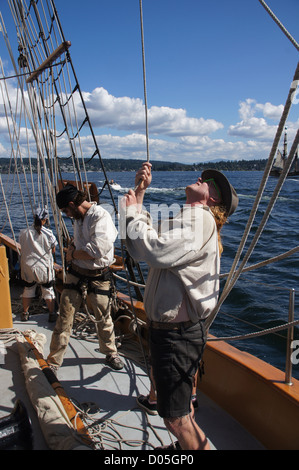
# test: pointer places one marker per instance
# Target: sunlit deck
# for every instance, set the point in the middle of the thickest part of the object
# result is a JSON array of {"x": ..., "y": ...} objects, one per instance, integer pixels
[{"x": 111, "y": 397}]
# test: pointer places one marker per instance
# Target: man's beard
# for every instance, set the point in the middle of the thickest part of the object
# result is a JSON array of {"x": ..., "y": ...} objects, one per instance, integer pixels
[{"x": 76, "y": 214}]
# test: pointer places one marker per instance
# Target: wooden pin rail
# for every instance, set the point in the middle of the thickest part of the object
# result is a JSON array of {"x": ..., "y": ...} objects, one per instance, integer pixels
[{"x": 49, "y": 61}]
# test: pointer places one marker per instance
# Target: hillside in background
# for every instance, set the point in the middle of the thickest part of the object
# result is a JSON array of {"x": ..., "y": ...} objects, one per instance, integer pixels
[{"x": 114, "y": 164}]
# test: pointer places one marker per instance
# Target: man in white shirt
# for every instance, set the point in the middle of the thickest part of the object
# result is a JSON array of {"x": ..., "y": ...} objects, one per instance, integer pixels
[
  {"x": 37, "y": 266},
  {"x": 181, "y": 290},
  {"x": 90, "y": 255}
]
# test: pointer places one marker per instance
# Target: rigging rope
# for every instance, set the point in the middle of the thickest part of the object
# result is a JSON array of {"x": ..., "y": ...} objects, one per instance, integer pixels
[
  {"x": 144, "y": 88},
  {"x": 284, "y": 255},
  {"x": 256, "y": 334},
  {"x": 144, "y": 79},
  {"x": 234, "y": 274},
  {"x": 283, "y": 29},
  {"x": 122, "y": 241}
]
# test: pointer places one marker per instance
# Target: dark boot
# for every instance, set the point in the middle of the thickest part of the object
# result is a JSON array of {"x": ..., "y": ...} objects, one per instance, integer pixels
[{"x": 15, "y": 430}]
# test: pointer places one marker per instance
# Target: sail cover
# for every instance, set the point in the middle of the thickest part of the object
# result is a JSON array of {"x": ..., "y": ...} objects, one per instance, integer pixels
[{"x": 54, "y": 422}]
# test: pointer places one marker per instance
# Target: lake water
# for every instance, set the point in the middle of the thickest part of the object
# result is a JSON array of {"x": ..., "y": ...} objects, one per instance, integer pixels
[{"x": 260, "y": 297}]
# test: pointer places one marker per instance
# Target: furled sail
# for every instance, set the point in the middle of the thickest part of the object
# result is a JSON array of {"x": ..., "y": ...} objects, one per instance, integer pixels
[{"x": 279, "y": 161}]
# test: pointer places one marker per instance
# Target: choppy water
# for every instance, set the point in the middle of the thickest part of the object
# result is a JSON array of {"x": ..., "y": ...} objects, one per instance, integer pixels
[{"x": 260, "y": 297}]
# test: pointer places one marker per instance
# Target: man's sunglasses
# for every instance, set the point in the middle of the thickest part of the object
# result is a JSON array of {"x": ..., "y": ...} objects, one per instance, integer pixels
[{"x": 211, "y": 180}]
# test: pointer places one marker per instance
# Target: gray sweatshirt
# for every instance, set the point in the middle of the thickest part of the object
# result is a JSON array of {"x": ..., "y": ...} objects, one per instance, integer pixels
[{"x": 183, "y": 257}]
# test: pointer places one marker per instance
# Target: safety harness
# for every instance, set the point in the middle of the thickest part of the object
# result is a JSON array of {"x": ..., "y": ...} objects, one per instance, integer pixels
[
  {"x": 84, "y": 283},
  {"x": 45, "y": 284}
]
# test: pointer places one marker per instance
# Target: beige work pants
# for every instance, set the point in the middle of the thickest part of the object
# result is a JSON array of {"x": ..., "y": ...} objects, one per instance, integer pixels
[{"x": 70, "y": 303}]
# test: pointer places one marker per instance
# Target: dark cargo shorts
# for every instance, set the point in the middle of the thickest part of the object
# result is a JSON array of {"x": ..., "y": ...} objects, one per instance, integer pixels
[{"x": 175, "y": 357}]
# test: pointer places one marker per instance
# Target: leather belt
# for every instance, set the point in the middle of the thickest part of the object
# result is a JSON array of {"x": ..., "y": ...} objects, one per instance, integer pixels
[
  {"x": 89, "y": 272},
  {"x": 170, "y": 325}
]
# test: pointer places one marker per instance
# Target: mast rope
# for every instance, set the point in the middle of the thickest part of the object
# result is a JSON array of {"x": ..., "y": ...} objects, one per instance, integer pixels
[
  {"x": 281, "y": 26},
  {"x": 234, "y": 274},
  {"x": 280, "y": 257},
  {"x": 24, "y": 74},
  {"x": 144, "y": 81},
  {"x": 256, "y": 334},
  {"x": 13, "y": 134},
  {"x": 123, "y": 241}
]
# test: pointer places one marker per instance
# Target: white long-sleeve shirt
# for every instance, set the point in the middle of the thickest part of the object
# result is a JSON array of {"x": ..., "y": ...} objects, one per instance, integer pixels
[
  {"x": 95, "y": 234},
  {"x": 37, "y": 263},
  {"x": 183, "y": 259}
]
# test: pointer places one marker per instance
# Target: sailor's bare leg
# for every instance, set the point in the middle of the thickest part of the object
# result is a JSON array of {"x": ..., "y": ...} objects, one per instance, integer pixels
[
  {"x": 50, "y": 304},
  {"x": 187, "y": 432},
  {"x": 26, "y": 301}
]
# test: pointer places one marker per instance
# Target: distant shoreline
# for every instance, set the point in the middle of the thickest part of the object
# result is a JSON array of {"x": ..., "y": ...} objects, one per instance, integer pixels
[{"x": 114, "y": 164}]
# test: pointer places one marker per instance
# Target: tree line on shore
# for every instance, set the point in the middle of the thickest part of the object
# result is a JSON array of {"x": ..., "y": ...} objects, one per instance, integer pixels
[{"x": 114, "y": 164}]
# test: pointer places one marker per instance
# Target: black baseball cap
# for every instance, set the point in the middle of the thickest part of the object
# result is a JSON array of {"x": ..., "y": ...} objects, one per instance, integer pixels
[{"x": 66, "y": 195}]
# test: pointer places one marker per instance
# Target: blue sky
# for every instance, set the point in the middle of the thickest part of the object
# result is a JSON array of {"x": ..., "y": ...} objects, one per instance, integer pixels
[{"x": 218, "y": 74}]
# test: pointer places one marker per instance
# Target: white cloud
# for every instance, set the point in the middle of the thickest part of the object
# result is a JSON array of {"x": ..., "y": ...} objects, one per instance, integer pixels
[
  {"x": 252, "y": 124},
  {"x": 270, "y": 111},
  {"x": 3, "y": 151},
  {"x": 3, "y": 124},
  {"x": 253, "y": 127},
  {"x": 119, "y": 127},
  {"x": 250, "y": 107},
  {"x": 246, "y": 110},
  {"x": 128, "y": 114},
  {"x": 175, "y": 122},
  {"x": 185, "y": 150},
  {"x": 176, "y": 137},
  {"x": 106, "y": 110}
]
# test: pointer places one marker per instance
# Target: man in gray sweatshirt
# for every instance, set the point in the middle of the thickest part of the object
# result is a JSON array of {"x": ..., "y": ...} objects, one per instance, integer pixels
[{"x": 181, "y": 290}]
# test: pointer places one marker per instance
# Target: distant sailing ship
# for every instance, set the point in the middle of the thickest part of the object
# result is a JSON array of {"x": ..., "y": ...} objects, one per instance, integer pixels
[{"x": 280, "y": 160}]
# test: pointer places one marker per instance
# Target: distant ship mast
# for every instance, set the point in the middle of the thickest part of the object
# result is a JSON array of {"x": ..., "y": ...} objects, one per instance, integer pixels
[{"x": 281, "y": 158}]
